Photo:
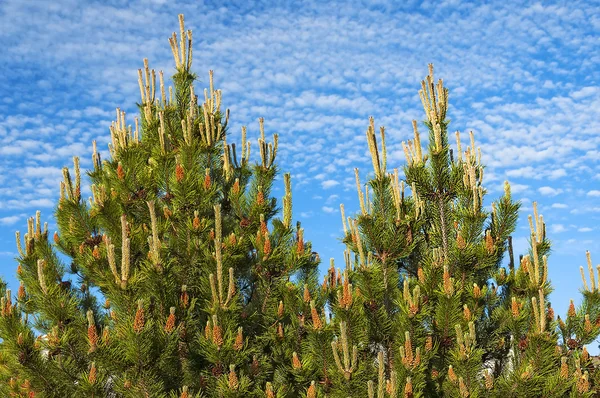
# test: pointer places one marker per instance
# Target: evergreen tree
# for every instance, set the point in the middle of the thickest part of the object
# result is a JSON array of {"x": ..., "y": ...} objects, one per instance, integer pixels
[
  {"x": 426, "y": 290},
  {"x": 182, "y": 280},
  {"x": 177, "y": 261}
]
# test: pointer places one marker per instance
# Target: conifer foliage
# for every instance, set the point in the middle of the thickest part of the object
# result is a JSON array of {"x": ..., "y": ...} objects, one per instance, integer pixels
[
  {"x": 177, "y": 262},
  {"x": 184, "y": 278}
]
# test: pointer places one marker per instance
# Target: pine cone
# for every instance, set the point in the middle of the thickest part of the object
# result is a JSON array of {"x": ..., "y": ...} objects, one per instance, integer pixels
[{"x": 217, "y": 369}]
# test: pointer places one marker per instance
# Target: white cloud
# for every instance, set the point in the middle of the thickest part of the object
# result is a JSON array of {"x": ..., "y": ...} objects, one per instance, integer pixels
[
  {"x": 594, "y": 193},
  {"x": 332, "y": 199},
  {"x": 549, "y": 191},
  {"x": 329, "y": 184},
  {"x": 9, "y": 220},
  {"x": 328, "y": 209},
  {"x": 518, "y": 188},
  {"x": 557, "y": 228},
  {"x": 585, "y": 229},
  {"x": 559, "y": 206}
]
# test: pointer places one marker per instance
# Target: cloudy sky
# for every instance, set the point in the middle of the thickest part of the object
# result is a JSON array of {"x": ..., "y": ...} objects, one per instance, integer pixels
[{"x": 525, "y": 79}]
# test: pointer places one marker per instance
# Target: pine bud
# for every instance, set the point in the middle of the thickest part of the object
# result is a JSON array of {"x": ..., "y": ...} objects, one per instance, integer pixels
[
  {"x": 269, "y": 390},
  {"x": 105, "y": 335},
  {"x": 564, "y": 368},
  {"x": 208, "y": 331},
  {"x": 307, "y": 297},
  {"x": 451, "y": 375},
  {"x": 448, "y": 288},
  {"x": 184, "y": 298},
  {"x": 56, "y": 238},
  {"x": 279, "y": 330},
  {"x": 254, "y": 366},
  {"x": 583, "y": 384},
  {"x": 572, "y": 313},
  {"x": 260, "y": 198},
  {"x": 585, "y": 355},
  {"x": 217, "y": 334},
  {"x": 233, "y": 379},
  {"x": 239, "y": 340},
  {"x": 196, "y": 221},
  {"x": 179, "y": 173},
  {"x": 296, "y": 364},
  {"x": 280, "y": 309},
  {"x": 170, "y": 325},
  {"x": 316, "y": 319},
  {"x": 515, "y": 308},
  {"x": 587, "y": 324},
  {"x": 312, "y": 391},
  {"x": 408, "y": 388},
  {"x": 96, "y": 253},
  {"x": 267, "y": 246},
  {"x": 127, "y": 384},
  {"x": 464, "y": 392},
  {"x": 236, "y": 186},
  {"x": 139, "y": 321},
  {"x": 525, "y": 264},
  {"x": 184, "y": 393},
  {"x": 300, "y": 242},
  {"x": 93, "y": 374},
  {"x": 120, "y": 171},
  {"x": 489, "y": 380},
  {"x": 420, "y": 275},
  {"x": 551, "y": 313},
  {"x": 417, "y": 360},
  {"x": 429, "y": 343},
  {"x": 92, "y": 333},
  {"x": 460, "y": 241},
  {"x": 263, "y": 225},
  {"x": 489, "y": 242},
  {"x": 21, "y": 292},
  {"x": 476, "y": 291},
  {"x": 207, "y": 179},
  {"x": 467, "y": 313}
]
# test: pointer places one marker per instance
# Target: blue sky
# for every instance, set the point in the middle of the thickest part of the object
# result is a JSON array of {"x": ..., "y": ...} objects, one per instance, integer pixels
[{"x": 525, "y": 79}]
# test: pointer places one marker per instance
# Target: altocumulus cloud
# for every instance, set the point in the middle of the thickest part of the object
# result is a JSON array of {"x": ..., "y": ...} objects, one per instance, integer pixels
[{"x": 524, "y": 78}]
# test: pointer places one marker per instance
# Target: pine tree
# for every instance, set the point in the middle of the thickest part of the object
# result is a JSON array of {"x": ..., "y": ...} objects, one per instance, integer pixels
[
  {"x": 176, "y": 262},
  {"x": 426, "y": 290},
  {"x": 184, "y": 279}
]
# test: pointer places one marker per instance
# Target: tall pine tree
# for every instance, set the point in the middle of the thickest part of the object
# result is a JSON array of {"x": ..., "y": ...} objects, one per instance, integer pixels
[{"x": 181, "y": 244}]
